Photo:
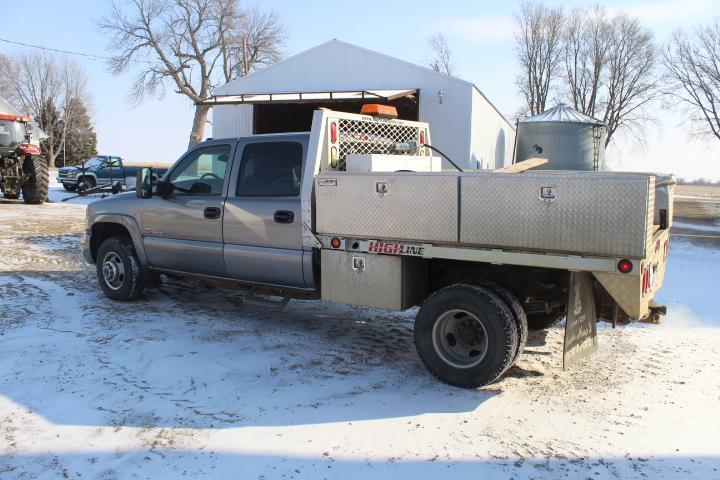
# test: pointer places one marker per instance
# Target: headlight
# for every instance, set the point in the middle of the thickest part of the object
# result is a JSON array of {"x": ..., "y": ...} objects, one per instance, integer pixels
[{"x": 71, "y": 174}]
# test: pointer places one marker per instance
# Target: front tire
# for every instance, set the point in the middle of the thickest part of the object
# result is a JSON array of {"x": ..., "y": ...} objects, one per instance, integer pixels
[
  {"x": 35, "y": 190},
  {"x": 466, "y": 335},
  {"x": 85, "y": 184},
  {"x": 11, "y": 195},
  {"x": 118, "y": 270}
]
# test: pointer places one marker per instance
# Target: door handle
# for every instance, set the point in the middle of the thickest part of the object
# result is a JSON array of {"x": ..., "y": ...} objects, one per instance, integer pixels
[
  {"x": 284, "y": 216},
  {"x": 212, "y": 212}
]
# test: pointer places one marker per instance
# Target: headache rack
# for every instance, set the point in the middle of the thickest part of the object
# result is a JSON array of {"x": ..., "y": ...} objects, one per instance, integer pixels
[
  {"x": 335, "y": 135},
  {"x": 349, "y": 133}
]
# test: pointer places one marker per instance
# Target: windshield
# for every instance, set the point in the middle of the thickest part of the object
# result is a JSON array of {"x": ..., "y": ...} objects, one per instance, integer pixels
[
  {"x": 11, "y": 133},
  {"x": 94, "y": 162}
]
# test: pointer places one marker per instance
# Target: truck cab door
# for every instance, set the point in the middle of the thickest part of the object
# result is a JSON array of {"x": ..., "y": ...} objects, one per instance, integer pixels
[
  {"x": 261, "y": 223},
  {"x": 110, "y": 171},
  {"x": 183, "y": 231}
]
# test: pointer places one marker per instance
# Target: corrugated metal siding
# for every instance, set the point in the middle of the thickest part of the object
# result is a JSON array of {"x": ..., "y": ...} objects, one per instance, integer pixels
[
  {"x": 491, "y": 137},
  {"x": 232, "y": 121}
]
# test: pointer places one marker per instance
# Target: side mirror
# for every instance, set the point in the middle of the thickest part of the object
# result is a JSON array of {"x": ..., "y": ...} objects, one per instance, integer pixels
[{"x": 143, "y": 183}]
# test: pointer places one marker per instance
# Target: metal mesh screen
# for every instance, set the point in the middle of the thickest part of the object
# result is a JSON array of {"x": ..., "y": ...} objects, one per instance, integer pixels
[{"x": 362, "y": 137}]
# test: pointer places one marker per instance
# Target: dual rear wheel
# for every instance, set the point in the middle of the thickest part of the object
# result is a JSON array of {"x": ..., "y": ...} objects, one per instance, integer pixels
[{"x": 469, "y": 334}]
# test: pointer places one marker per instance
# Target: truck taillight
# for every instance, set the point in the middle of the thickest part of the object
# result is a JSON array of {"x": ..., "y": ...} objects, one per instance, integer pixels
[
  {"x": 422, "y": 137},
  {"x": 333, "y": 132},
  {"x": 625, "y": 266}
]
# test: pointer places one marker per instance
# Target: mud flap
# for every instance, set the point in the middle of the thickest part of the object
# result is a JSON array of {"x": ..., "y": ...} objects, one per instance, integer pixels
[{"x": 580, "y": 325}]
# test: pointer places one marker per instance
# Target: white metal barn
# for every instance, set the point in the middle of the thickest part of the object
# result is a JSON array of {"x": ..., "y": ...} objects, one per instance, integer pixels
[{"x": 281, "y": 98}]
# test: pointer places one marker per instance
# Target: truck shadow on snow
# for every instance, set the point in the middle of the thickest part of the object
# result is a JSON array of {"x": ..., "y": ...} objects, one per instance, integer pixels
[
  {"x": 159, "y": 462},
  {"x": 192, "y": 356}
]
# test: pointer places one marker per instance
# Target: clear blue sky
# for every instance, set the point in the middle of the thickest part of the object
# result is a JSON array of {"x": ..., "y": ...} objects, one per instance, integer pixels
[{"x": 479, "y": 33}]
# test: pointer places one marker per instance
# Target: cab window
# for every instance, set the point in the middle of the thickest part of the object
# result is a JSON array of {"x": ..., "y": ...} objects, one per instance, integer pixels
[
  {"x": 202, "y": 171},
  {"x": 270, "y": 169}
]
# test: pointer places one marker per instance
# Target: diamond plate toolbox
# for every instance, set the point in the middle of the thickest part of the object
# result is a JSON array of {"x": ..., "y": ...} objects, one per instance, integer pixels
[
  {"x": 598, "y": 213},
  {"x": 399, "y": 206}
]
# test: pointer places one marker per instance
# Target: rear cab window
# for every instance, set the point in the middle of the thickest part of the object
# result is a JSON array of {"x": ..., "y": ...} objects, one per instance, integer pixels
[{"x": 270, "y": 169}]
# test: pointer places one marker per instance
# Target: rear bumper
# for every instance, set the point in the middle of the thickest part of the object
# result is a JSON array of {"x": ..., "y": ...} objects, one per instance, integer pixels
[{"x": 634, "y": 292}]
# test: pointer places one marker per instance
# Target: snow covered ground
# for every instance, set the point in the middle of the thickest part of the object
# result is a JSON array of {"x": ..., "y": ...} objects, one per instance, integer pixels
[{"x": 189, "y": 383}]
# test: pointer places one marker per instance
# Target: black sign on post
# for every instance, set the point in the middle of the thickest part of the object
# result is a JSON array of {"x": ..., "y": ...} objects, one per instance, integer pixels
[{"x": 580, "y": 328}]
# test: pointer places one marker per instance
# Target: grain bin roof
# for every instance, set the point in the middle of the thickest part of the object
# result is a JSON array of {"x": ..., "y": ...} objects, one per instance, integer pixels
[{"x": 562, "y": 113}]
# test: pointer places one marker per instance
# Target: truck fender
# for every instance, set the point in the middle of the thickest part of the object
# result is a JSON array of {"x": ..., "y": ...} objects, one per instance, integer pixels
[
  {"x": 86, "y": 174},
  {"x": 131, "y": 226}
]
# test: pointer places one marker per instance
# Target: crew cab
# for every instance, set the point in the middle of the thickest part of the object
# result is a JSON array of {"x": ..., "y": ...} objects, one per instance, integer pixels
[
  {"x": 99, "y": 170},
  {"x": 359, "y": 211}
]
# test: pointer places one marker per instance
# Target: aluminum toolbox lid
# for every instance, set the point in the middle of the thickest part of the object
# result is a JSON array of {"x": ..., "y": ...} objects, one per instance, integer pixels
[
  {"x": 584, "y": 213},
  {"x": 388, "y": 205}
]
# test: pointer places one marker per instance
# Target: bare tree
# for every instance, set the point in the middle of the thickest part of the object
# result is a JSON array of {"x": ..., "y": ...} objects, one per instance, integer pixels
[
  {"x": 586, "y": 40},
  {"x": 610, "y": 69},
  {"x": 692, "y": 65},
  {"x": 191, "y": 44},
  {"x": 8, "y": 76},
  {"x": 539, "y": 50},
  {"x": 631, "y": 81},
  {"x": 254, "y": 41},
  {"x": 46, "y": 88},
  {"x": 442, "y": 59}
]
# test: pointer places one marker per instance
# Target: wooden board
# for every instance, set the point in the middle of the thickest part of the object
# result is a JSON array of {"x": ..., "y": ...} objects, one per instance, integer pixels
[{"x": 522, "y": 166}]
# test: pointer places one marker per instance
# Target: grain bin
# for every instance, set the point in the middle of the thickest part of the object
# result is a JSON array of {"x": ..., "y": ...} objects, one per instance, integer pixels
[{"x": 569, "y": 139}]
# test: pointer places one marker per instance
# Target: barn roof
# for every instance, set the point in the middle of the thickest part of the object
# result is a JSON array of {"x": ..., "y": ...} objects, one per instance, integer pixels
[
  {"x": 265, "y": 78},
  {"x": 322, "y": 50}
]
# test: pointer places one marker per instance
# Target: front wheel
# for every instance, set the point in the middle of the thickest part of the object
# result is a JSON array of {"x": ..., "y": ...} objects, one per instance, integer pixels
[
  {"x": 466, "y": 335},
  {"x": 85, "y": 184},
  {"x": 118, "y": 270},
  {"x": 11, "y": 195}
]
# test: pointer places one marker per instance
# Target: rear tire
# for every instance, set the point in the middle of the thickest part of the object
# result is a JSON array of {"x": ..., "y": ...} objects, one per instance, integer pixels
[
  {"x": 466, "y": 335},
  {"x": 521, "y": 319},
  {"x": 35, "y": 190},
  {"x": 545, "y": 320},
  {"x": 118, "y": 270}
]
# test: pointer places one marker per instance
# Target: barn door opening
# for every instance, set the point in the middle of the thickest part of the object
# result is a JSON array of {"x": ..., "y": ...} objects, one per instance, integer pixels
[{"x": 297, "y": 117}]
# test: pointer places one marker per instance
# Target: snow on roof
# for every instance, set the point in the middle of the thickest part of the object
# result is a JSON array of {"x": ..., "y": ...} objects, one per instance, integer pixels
[{"x": 562, "y": 113}]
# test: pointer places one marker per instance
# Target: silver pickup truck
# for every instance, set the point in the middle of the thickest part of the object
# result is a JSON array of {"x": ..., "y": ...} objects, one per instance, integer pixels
[{"x": 359, "y": 211}]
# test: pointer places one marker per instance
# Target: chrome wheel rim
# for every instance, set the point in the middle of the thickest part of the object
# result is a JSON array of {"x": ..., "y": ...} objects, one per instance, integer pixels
[
  {"x": 460, "y": 339},
  {"x": 113, "y": 270}
]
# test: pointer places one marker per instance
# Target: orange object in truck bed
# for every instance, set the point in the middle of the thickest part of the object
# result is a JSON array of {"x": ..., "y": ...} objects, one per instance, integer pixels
[{"x": 377, "y": 110}]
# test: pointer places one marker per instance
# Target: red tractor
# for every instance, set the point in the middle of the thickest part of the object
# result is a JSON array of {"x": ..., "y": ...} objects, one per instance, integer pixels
[{"x": 23, "y": 169}]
